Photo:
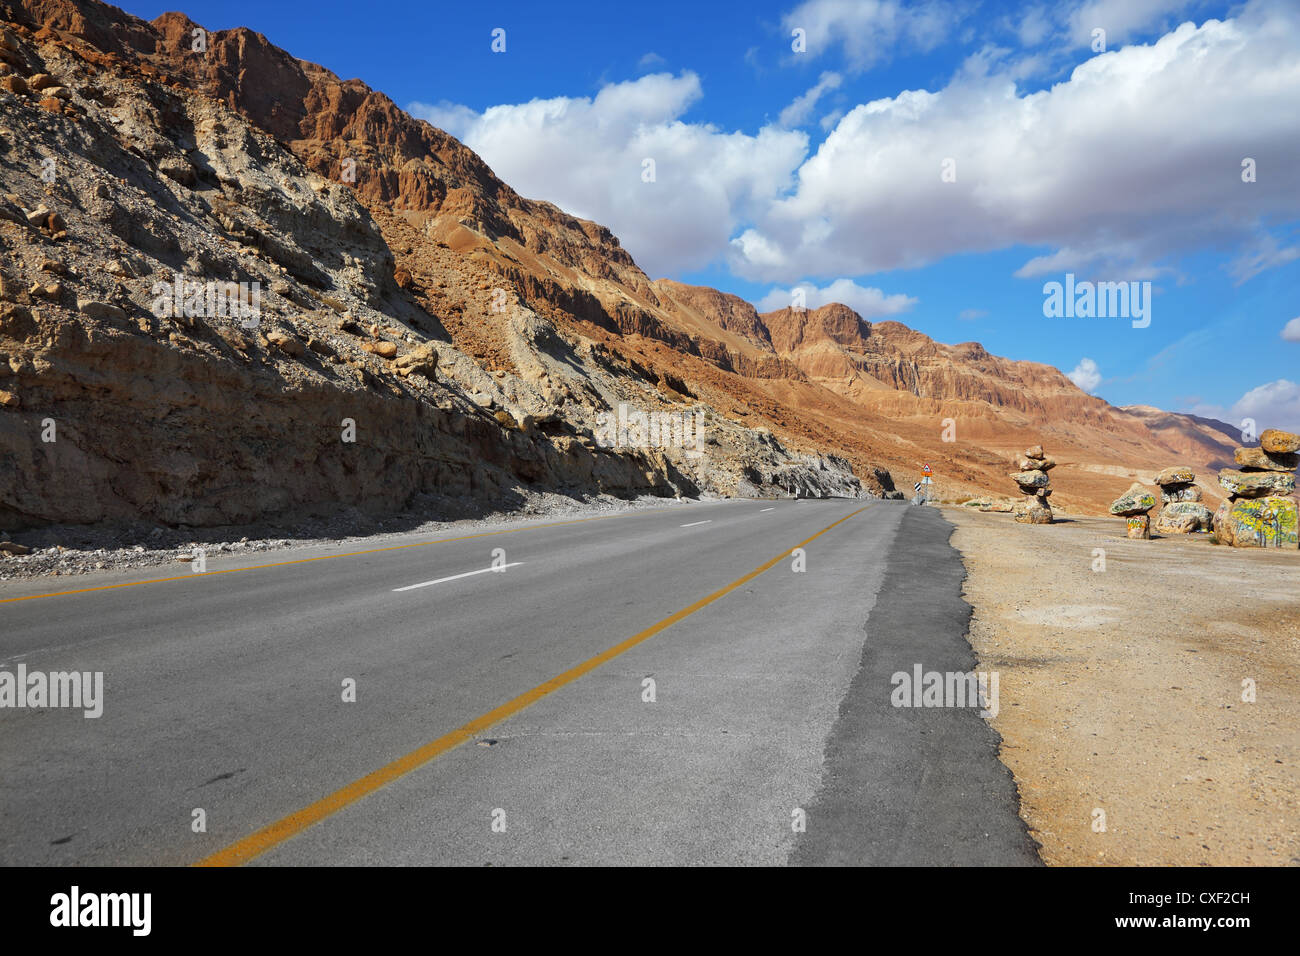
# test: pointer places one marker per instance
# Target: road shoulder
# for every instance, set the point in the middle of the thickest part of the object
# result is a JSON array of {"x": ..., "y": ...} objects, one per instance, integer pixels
[{"x": 914, "y": 785}]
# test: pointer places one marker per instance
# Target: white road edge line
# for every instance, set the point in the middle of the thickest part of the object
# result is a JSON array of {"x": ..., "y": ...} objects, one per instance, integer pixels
[
  {"x": 761, "y": 510},
  {"x": 694, "y": 523},
  {"x": 457, "y": 577}
]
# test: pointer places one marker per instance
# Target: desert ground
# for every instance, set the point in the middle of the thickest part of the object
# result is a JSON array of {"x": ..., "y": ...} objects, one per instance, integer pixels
[{"x": 1122, "y": 689}]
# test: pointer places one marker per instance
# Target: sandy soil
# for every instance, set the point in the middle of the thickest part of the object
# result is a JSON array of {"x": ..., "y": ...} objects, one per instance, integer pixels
[{"x": 1121, "y": 690}]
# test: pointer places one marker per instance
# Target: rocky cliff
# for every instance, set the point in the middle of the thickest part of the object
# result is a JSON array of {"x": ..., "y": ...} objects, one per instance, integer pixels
[{"x": 475, "y": 339}]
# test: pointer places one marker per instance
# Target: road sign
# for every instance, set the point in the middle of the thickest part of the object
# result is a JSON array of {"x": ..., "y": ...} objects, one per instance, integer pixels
[
  {"x": 926, "y": 470},
  {"x": 917, "y": 486}
]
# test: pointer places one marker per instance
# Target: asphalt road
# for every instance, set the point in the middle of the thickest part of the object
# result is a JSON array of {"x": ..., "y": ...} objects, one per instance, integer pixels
[{"x": 504, "y": 717}]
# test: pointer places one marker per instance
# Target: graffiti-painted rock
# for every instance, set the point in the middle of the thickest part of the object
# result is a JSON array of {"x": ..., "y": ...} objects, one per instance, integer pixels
[
  {"x": 1139, "y": 526},
  {"x": 1171, "y": 493},
  {"x": 1184, "y": 517},
  {"x": 1256, "y": 484},
  {"x": 1176, "y": 476},
  {"x": 1136, "y": 501},
  {"x": 1257, "y": 523},
  {"x": 1274, "y": 440},
  {"x": 1257, "y": 459}
]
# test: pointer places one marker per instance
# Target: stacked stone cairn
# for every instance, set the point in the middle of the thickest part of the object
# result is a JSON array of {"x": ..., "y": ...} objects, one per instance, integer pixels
[
  {"x": 1135, "y": 506},
  {"x": 1260, "y": 511},
  {"x": 1035, "y": 486},
  {"x": 1183, "y": 512}
]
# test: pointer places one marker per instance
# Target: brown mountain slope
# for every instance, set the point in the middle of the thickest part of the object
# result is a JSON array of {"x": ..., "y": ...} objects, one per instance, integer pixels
[
  {"x": 900, "y": 386},
  {"x": 462, "y": 256}
]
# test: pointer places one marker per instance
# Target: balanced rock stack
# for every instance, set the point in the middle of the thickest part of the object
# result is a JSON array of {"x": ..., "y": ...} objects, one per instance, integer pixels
[
  {"x": 1260, "y": 512},
  {"x": 1183, "y": 512},
  {"x": 1035, "y": 486},
  {"x": 1135, "y": 505}
]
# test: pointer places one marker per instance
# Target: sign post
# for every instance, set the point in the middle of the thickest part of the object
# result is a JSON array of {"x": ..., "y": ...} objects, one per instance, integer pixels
[{"x": 923, "y": 486}]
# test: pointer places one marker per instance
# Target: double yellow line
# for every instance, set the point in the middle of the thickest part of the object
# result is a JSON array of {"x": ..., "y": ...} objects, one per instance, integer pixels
[{"x": 270, "y": 836}]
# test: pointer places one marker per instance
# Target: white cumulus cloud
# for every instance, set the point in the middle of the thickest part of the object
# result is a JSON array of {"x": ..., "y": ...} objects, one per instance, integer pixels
[
  {"x": 1122, "y": 18},
  {"x": 1086, "y": 375},
  {"x": 868, "y": 302},
  {"x": 1134, "y": 159},
  {"x": 1274, "y": 405},
  {"x": 588, "y": 156},
  {"x": 1291, "y": 331}
]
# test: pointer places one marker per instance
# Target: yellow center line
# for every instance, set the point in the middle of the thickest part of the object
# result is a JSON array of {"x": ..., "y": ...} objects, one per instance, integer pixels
[
  {"x": 325, "y": 557},
  {"x": 276, "y": 833}
]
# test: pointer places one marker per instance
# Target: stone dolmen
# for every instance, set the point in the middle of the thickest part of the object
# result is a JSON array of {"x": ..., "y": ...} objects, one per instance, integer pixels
[
  {"x": 1183, "y": 512},
  {"x": 1135, "y": 506},
  {"x": 1260, "y": 511}
]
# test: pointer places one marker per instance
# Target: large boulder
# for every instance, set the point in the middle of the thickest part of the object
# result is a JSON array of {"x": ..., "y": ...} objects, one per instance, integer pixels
[
  {"x": 1139, "y": 526},
  {"x": 1257, "y": 459},
  {"x": 1136, "y": 501},
  {"x": 1177, "y": 475},
  {"x": 1184, "y": 517},
  {"x": 1033, "y": 464},
  {"x": 1274, "y": 441},
  {"x": 1268, "y": 522},
  {"x": 1030, "y": 481},
  {"x": 1256, "y": 484},
  {"x": 1033, "y": 510},
  {"x": 422, "y": 359},
  {"x": 1171, "y": 493}
]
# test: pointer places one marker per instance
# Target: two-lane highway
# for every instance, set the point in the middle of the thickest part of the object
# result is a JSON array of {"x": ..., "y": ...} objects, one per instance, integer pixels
[{"x": 664, "y": 686}]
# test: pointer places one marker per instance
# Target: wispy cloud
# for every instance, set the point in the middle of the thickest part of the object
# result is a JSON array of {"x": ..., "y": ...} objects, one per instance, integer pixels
[
  {"x": 871, "y": 32},
  {"x": 797, "y": 113}
]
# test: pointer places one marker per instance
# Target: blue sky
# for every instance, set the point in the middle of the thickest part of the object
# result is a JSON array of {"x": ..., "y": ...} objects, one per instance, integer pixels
[{"x": 772, "y": 172}]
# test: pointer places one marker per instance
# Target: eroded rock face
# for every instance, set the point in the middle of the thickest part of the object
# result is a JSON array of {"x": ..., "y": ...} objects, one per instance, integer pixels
[
  {"x": 1268, "y": 522},
  {"x": 198, "y": 416}
]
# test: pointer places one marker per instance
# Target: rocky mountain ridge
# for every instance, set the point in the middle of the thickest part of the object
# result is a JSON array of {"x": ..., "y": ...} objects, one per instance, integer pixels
[{"x": 473, "y": 336}]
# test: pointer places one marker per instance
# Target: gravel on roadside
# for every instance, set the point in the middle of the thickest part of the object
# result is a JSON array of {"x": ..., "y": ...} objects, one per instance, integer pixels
[{"x": 1123, "y": 668}]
